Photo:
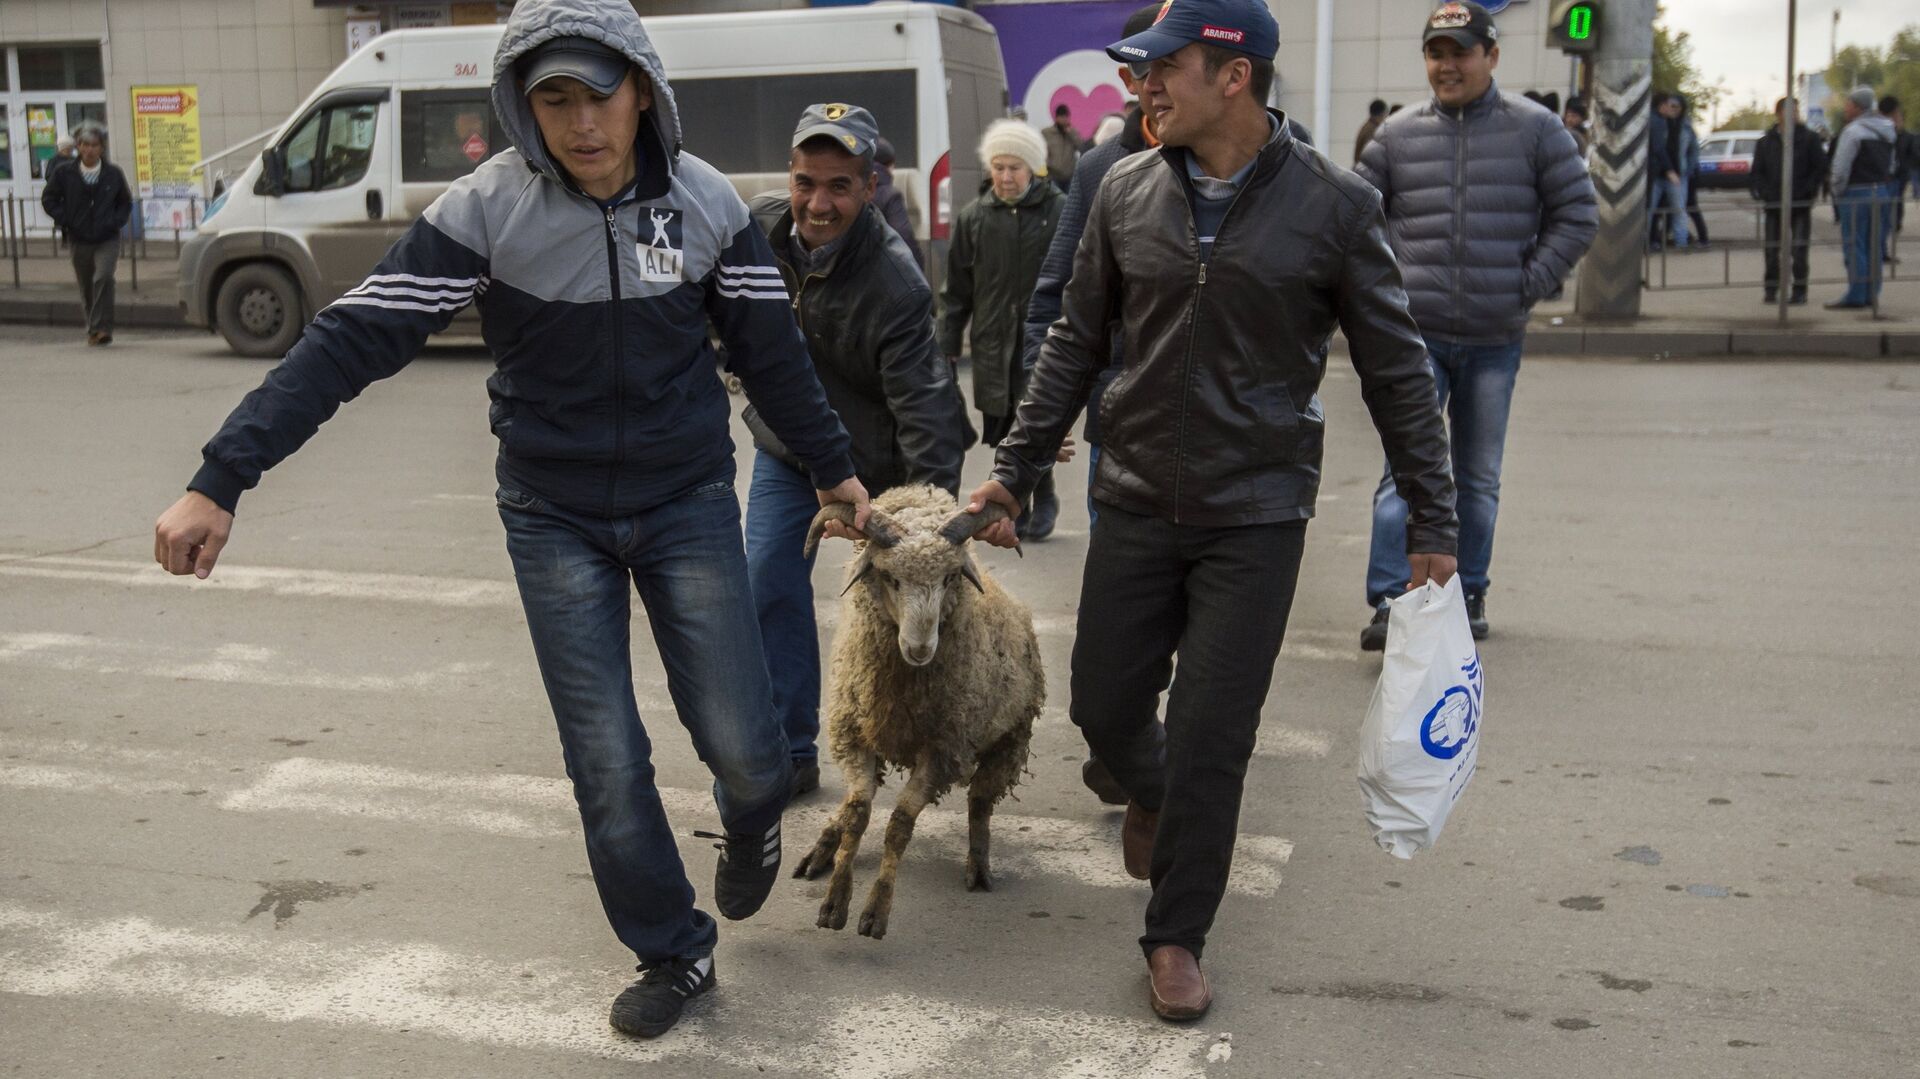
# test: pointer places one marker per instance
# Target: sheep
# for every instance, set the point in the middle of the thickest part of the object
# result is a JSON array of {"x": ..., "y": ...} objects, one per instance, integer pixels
[{"x": 929, "y": 676}]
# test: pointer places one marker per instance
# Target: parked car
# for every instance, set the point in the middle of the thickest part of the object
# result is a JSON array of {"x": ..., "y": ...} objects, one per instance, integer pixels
[
  {"x": 408, "y": 113},
  {"x": 1726, "y": 158}
]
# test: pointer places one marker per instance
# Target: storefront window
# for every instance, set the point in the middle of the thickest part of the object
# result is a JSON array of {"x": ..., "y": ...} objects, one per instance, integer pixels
[
  {"x": 6, "y": 142},
  {"x": 61, "y": 67}
]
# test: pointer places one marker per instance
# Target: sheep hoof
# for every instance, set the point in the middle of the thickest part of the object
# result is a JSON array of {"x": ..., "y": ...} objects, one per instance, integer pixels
[
  {"x": 832, "y": 915},
  {"x": 978, "y": 879},
  {"x": 814, "y": 865},
  {"x": 873, "y": 923}
]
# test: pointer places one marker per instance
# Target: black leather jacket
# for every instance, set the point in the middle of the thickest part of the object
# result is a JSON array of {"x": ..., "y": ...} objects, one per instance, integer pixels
[
  {"x": 868, "y": 321},
  {"x": 1215, "y": 419}
]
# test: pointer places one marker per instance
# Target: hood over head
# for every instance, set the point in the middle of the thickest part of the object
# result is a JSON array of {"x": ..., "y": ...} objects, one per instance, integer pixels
[{"x": 614, "y": 24}]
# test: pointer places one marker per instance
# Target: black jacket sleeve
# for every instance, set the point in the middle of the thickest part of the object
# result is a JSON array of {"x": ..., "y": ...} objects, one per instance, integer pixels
[
  {"x": 918, "y": 382},
  {"x": 1391, "y": 359},
  {"x": 53, "y": 197},
  {"x": 122, "y": 201}
]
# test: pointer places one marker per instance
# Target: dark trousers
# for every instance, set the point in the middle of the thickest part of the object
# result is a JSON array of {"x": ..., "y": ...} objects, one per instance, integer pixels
[
  {"x": 93, "y": 269},
  {"x": 1218, "y": 598},
  {"x": 1802, "y": 229}
]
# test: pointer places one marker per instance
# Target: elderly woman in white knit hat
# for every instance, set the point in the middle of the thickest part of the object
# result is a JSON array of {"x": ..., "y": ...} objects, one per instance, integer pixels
[{"x": 993, "y": 261}]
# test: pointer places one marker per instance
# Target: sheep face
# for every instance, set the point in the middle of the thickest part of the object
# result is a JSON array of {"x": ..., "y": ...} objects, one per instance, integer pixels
[{"x": 917, "y": 585}]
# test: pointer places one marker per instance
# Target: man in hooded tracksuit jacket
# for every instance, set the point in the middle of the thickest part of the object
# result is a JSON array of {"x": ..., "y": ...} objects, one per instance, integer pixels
[{"x": 615, "y": 464}]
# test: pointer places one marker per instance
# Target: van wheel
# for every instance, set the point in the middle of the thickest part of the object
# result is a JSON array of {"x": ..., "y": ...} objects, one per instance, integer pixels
[{"x": 258, "y": 310}]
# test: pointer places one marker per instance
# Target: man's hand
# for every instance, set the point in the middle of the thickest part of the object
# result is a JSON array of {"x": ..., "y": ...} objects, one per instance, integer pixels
[
  {"x": 1065, "y": 452},
  {"x": 188, "y": 537},
  {"x": 1673, "y": 177},
  {"x": 1438, "y": 568},
  {"x": 999, "y": 533},
  {"x": 848, "y": 490}
]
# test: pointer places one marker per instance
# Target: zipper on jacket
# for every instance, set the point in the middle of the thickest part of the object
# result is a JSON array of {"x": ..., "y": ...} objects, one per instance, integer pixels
[
  {"x": 1193, "y": 334},
  {"x": 619, "y": 350},
  {"x": 1459, "y": 212}
]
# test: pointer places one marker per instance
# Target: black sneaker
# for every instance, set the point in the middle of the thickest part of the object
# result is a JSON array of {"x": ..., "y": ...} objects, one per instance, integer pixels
[
  {"x": 1374, "y": 637},
  {"x": 806, "y": 778},
  {"x": 651, "y": 1006},
  {"x": 1038, "y": 525},
  {"x": 1101, "y": 782},
  {"x": 749, "y": 863},
  {"x": 1477, "y": 616}
]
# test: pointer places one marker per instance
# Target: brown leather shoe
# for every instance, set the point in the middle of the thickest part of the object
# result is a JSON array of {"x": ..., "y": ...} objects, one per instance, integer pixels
[
  {"x": 1136, "y": 841},
  {"x": 1178, "y": 989}
]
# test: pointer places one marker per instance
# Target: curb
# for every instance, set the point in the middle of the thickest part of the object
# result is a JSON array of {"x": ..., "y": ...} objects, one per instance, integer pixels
[
  {"x": 147, "y": 314},
  {"x": 1696, "y": 343}
]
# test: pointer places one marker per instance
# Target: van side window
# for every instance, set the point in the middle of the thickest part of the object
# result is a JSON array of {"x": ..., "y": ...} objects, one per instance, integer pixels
[
  {"x": 746, "y": 124},
  {"x": 445, "y": 134},
  {"x": 331, "y": 148}
]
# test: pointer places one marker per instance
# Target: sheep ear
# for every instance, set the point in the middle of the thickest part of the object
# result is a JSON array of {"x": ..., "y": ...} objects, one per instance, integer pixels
[
  {"x": 972, "y": 573},
  {"x": 859, "y": 570}
]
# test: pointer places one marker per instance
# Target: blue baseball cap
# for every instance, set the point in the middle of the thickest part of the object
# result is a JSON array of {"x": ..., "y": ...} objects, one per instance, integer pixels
[{"x": 1241, "y": 25}]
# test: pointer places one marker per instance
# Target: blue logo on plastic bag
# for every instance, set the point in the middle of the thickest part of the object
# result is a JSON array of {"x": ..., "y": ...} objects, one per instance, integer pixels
[{"x": 1450, "y": 723}]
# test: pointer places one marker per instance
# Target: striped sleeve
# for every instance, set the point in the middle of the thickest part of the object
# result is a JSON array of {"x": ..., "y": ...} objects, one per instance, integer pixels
[
  {"x": 369, "y": 334},
  {"x": 747, "y": 300}
]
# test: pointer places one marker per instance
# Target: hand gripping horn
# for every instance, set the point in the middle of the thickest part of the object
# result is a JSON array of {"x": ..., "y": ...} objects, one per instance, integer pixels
[
  {"x": 880, "y": 530},
  {"x": 961, "y": 526}
]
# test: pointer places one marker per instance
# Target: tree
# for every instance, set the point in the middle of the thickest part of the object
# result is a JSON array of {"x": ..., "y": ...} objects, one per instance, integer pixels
[
  {"x": 1749, "y": 117},
  {"x": 1856, "y": 65},
  {"x": 1895, "y": 71},
  {"x": 1673, "y": 70}
]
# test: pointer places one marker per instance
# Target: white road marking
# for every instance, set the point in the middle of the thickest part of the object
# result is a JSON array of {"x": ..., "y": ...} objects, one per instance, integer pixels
[
  {"x": 277, "y": 581},
  {"x": 246, "y": 664},
  {"x": 1279, "y": 741},
  {"x": 542, "y": 1005},
  {"x": 533, "y": 807}
]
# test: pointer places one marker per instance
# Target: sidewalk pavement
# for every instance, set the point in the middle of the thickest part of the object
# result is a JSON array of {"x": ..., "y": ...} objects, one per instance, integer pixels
[{"x": 1673, "y": 322}]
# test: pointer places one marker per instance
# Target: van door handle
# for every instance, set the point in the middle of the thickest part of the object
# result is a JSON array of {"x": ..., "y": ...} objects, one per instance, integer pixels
[{"x": 373, "y": 205}]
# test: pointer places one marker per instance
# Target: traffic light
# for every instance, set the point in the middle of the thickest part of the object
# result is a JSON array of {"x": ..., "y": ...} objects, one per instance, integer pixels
[{"x": 1574, "y": 26}]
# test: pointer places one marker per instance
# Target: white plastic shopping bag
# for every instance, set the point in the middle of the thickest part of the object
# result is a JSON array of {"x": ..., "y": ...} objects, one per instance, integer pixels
[{"x": 1421, "y": 738}]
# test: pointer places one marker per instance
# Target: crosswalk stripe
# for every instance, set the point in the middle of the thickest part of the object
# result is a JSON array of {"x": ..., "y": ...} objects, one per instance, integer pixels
[
  {"x": 415, "y": 987},
  {"x": 537, "y": 807},
  {"x": 246, "y": 664}
]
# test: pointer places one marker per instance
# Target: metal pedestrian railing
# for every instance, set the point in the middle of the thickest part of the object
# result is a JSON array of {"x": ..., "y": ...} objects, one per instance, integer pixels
[
  {"x": 1664, "y": 269},
  {"x": 25, "y": 235}
]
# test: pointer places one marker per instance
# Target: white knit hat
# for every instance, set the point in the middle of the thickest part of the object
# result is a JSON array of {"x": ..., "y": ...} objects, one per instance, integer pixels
[{"x": 1014, "y": 138}]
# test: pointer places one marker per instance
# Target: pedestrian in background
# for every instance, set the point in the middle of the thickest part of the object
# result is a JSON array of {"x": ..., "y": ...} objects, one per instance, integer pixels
[
  {"x": 88, "y": 198},
  {"x": 615, "y": 464},
  {"x": 892, "y": 202},
  {"x": 867, "y": 314},
  {"x": 993, "y": 261},
  {"x": 1673, "y": 154},
  {"x": 1376, "y": 115},
  {"x": 1574, "y": 117},
  {"x": 1063, "y": 147},
  {"x": 1227, "y": 257},
  {"x": 1489, "y": 206},
  {"x": 1861, "y": 177},
  {"x": 1809, "y": 169},
  {"x": 1904, "y": 150}
]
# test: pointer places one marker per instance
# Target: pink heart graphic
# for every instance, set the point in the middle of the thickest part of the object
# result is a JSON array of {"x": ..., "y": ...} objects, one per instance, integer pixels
[{"x": 1086, "y": 110}]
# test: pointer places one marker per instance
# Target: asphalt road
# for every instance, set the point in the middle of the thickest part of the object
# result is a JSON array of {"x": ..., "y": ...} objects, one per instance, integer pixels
[{"x": 308, "y": 818}]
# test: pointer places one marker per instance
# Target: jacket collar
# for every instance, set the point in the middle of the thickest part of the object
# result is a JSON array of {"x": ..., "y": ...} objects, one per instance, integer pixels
[
  {"x": 1479, "y": 106},
  {"x": 1276, "y": 151}
]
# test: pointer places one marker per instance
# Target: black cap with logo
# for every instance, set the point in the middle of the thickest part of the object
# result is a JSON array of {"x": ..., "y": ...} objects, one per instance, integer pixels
[{"x": 1463, "y": 21}]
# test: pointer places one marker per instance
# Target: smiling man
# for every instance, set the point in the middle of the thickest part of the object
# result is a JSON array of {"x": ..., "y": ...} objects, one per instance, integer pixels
[
  {"x": 599, "y": 254},
  {"x": 1489, "y": 206},
  {"x": 867, "y": 314},
  {"x": 1227, "y": 258}
]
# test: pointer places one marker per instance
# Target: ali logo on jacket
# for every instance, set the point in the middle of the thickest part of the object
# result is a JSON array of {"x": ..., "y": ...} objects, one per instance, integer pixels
[{"x": 662, "y": 257}]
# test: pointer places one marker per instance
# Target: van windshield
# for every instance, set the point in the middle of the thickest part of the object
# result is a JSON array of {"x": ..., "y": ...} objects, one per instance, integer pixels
[{"x": 746, "y": 124}]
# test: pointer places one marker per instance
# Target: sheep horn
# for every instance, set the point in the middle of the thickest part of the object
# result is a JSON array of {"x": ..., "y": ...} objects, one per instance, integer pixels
[
  {"x": 880, "y": 530},
  {"x": 962, "y": 526}
]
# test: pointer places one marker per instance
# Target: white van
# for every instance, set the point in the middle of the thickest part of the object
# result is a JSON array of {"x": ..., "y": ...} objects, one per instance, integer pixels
[{"x": 408, "y": 113}]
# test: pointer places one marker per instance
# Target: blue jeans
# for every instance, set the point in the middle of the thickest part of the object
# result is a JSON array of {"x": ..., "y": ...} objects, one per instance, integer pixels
[
  {"x": 1475, "y": 383},
  {"x": 1674, "y": 194},
  {"x": 685, "y": 559},
  {"x": 780, "y": 505},
  {"x": 1093, "y": 469},
  {"x": 1864, "y": 225}
]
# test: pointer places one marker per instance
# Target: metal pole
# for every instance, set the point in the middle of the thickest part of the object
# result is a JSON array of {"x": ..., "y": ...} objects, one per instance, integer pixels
[
  {"x": 1323, "y": 75},
  {"x": 1782, "y": 263},
  {"x": 13, "y": 238},
  {"x": 1610, "y": 281}
]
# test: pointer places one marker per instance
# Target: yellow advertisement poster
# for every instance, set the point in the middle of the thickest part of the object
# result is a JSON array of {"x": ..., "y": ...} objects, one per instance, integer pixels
[{"x": 166, "y": 146}]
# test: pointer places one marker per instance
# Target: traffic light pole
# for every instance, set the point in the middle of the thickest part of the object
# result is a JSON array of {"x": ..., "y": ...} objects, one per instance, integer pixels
[{"x": 1609, "y": 285}]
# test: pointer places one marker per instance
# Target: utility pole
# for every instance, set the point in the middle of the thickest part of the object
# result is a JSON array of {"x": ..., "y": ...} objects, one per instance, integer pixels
[
  {"x": 1622, "y": 73},
  {"x": 1833, "y": 40}
]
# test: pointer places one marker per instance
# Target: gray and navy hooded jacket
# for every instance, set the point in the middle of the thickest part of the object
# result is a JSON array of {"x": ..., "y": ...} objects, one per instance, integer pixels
[{"x": 605, "y": 398}]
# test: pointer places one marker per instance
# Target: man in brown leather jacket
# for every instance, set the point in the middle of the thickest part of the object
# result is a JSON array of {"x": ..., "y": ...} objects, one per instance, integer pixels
[{"x": 1228, "y": 257}]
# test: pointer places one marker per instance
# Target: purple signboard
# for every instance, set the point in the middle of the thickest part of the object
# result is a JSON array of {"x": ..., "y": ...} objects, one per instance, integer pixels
[{"x": 1055, "y": 54}]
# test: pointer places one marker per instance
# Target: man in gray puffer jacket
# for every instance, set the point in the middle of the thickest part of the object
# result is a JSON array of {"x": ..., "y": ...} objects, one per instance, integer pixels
[{"x": 1488, "y": 207}]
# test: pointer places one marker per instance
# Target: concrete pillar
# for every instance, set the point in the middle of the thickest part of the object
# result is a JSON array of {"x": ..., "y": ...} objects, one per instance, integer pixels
[{"x": 1609, "y": 284}]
